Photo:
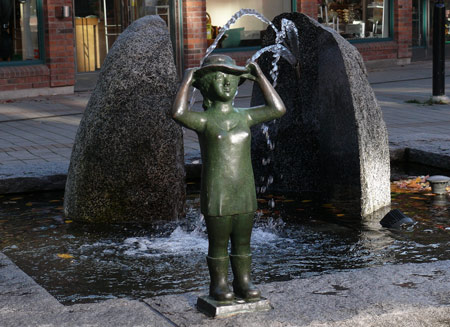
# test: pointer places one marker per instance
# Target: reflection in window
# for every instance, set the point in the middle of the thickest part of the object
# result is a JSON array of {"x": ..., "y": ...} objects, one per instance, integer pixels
[
  {"x": 98, "y": 23},
  {"x": 356, "y": 19},
  {"x": 247, "y": 30},
  {"x": 18, "y": 30},
  {"x": 447, "y": 21}
]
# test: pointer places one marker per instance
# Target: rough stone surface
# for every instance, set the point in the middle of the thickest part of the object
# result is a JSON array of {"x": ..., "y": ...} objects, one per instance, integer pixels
[
  {"x": 212, "y": 308},
  {"x": 396, "y": 295},
  {"x": 333, "y": 138},
  {"x": 33, "y": 177},
  {"x": 127, "y": 160},
  {"x": 25, "y": 303}
]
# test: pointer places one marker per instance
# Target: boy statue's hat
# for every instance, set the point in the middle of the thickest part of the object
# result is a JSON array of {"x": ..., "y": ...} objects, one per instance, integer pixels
[{"x": 221, "y": 63}]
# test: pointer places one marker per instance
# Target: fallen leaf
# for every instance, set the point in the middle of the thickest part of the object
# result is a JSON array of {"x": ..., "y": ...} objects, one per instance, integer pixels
[
  {"x": 17, "y": 198},
  {"x": 29, "y": 204},
  {"x": 340, "y": 214},
  {"x": 288, "y": 200},
  {"x": 306, "y": 201},
  {"x": 68, "y": 221},
  {"x": 65, "y": 256},
  {"x": 53, "y": 201}
]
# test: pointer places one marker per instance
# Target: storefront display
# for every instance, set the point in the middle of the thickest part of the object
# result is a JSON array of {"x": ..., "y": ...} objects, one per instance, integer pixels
[
  {"x": 247, "y": 31},
  {"x": 19, "y": 40},
  {"x": 447, "y": 21},
  {"x": 356, "y": 19},
  {"x": 98, "y": 23}
]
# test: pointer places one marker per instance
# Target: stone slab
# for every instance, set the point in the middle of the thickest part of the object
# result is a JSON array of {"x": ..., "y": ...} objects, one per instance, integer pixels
[
  {"x": 409, "y": 295},
  {"x": 21, "y": 178},
  {"x": 438, "y": 160},
  {"x": 332, "y": 139},
  {"x": 215, "y": 309},
  {"x": 24, "y": 303},
  {"x": 127, "y": 159}
]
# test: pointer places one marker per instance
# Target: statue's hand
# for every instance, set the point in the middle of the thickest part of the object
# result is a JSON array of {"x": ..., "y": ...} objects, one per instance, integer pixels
[
  {"x": 189, "y": 77},
  {"x": 254, "y": 72}
]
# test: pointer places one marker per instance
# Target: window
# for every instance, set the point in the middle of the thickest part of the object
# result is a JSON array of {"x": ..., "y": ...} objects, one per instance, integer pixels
[
  {"x": 447, "y": 21},
  {"x": 356, "y": 19},
  {"x": 247, "y": 30},
  {"x": 98, "y": 23},
  {"x": 19, "y": 35}
]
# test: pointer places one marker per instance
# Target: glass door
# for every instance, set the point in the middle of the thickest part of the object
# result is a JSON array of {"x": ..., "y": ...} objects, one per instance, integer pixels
[
  {"x": 418, "y": 23},
  {"x": 98, "y": 23}
]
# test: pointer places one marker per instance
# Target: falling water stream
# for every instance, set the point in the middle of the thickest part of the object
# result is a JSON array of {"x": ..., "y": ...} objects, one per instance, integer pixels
[{"x": 286, "y": 46}]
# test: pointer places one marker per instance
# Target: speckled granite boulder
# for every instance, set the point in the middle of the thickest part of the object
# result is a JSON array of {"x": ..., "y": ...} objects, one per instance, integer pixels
[
  {"x": 127, "y": 160},
  {"x": 333, "y": 138}
]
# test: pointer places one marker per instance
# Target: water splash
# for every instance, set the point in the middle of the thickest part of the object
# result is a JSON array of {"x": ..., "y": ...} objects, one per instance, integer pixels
[
  {"x": 286, "y": 44},
  {"x": 231, "y": 21}
]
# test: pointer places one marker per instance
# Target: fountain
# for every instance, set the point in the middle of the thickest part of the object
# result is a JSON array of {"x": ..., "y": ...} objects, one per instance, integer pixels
[{"x": 294, "y": 236}]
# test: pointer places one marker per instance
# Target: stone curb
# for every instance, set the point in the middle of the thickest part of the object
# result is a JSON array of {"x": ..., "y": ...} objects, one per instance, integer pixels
[
  {"x": 406, "y": 295},
  {"x": 52, "y": 176}
]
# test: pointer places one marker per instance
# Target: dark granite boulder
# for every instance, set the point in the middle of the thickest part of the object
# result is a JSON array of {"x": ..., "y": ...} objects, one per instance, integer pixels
[
  {"x": 333, "y": 139},
  {"x": 127, "y": 161}
]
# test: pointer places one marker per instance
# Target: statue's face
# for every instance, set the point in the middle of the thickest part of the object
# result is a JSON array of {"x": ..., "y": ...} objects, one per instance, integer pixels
[{"x": 224, "y": 85}]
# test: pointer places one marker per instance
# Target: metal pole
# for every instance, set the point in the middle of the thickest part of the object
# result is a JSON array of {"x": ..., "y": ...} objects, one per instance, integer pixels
[{"x": 439, "y": 48}]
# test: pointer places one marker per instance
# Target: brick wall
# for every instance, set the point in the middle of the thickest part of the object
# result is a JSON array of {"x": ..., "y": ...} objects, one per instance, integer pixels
[
  {"x": 24, "y": 77},
  {"x": 403, "y": 27},
  {"x": 378, "y": 50},
  {"x": 59, "y": 67},
  {"x": 59, "y": 45},
  {"x": 194, "y": 31},
  {"x": 308, "y": 7}
]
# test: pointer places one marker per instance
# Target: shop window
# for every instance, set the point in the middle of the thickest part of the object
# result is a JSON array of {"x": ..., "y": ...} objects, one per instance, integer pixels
[
  {"x": 247, "y": 31},
  {"x": 418, "y": 20},
  {"x": 19, "y": 35},
  {"x": 356, "y": 19},
  {"x": 447, "y": 21},
  {"x": 98, "y": 23}
]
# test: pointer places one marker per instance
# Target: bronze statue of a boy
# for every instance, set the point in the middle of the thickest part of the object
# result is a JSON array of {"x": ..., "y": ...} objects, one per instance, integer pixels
[{"x": 228, "y": 197}]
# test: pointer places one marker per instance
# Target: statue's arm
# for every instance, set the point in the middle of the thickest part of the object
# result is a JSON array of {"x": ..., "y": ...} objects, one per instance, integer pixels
[
  {"x": 274, "y": 107},
  {"x": 180, "y": 110}
]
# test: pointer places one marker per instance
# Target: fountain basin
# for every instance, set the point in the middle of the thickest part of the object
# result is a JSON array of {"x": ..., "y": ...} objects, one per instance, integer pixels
[{"x": 298, "y": 238}]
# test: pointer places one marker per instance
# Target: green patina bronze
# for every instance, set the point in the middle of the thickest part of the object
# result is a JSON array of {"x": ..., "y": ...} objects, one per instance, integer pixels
[{"x": 228, "y": 197}]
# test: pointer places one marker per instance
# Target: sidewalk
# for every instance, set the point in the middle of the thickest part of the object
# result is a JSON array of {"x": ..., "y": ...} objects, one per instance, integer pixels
[{"x": 36, "y": 134}]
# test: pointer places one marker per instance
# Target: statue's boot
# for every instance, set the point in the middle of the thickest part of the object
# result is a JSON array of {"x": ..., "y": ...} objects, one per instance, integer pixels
[
  {"x": 242, "y": 284},
  {"x": 218, "y": 271}
]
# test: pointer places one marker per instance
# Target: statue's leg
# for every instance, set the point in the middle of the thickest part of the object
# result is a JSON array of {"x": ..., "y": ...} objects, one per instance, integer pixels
[
  {"x": 241, "y": 257},
  {"x": 219, "y": 229}
]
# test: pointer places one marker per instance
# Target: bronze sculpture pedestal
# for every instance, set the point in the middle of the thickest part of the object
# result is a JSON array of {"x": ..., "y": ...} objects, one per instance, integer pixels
[{"x": 215, "y": 309}]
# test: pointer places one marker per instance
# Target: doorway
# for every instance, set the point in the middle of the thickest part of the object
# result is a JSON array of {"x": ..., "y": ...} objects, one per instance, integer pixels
[{"x": 98, "y": 23}]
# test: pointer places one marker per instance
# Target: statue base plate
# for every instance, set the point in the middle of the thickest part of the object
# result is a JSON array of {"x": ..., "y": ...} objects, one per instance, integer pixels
[{"x": 212, "y": 308}]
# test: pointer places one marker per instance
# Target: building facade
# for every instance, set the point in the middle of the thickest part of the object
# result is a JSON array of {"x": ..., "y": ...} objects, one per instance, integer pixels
[{"x": 45, "y": 43}]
